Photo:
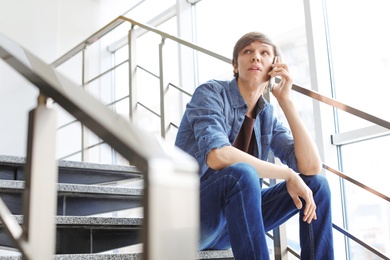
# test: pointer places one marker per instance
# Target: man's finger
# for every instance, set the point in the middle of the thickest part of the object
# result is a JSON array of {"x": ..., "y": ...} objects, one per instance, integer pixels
[{"x": 297, "y": 202}]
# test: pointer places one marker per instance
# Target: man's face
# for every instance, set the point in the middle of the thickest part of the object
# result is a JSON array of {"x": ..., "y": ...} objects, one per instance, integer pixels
[{"x": 254, "y": 62}]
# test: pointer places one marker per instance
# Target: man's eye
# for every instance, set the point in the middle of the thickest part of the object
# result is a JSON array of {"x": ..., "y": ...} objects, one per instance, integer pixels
[
  {"x": 265, "y": 53},
  {"x": 247, "y": 51}
]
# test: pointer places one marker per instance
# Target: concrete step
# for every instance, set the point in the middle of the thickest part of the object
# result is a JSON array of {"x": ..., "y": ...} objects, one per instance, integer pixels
[
  {"x": 12, "y": 168},
  {"x": 210, "y": 254},
  {"x": 77, "y": 199},
  {"x": 85, "y": 237}
]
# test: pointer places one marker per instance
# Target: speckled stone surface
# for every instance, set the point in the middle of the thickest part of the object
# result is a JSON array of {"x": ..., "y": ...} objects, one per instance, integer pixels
[
  {"x": 73, "y": 164},
  {"x": 100, "y": 257},
  {"x": 78, "y": 188},
  {"x": 87, "y": 257},
  {"x": 12, "y": 159},
  {"x": 11, "y": 185},
  {"x": 98, "y": 166},
  {"x": 212, "y": 254},
  {"x": 92, "y": 221}
]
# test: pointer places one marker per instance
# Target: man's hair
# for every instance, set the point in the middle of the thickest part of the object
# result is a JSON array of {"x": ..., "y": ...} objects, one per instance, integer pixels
[{"x": 247, "y": 39}]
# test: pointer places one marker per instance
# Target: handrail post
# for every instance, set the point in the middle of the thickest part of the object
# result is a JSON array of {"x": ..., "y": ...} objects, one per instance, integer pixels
[
  {"x": 132, "y": 73},
  {"x": 280, "y": 238},
  {"x": 171, "y": 212},
  {"x": 279, "y": 233},
  {"x": 84, "y": 129},
  {"x": 40, "y": 194},
  {"x": 164, "y": 93}
]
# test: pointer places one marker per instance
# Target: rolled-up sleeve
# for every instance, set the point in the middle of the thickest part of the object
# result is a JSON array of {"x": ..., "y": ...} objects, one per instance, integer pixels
[
  {"x": 207, "y": 118},
  {"x": 282, "y": 145}
]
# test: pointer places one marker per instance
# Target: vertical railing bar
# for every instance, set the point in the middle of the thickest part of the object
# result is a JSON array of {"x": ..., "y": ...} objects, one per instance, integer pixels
[
  {"x": 15, "y": 173},
  {"x": 279, "y": 233},
  {"x": 82, "y": 84},
  {"x": 343, "y": 201},
  {"x": 84, "y": 129},
  {"x": 40, "y": 193},
  {"x": 162, "y": 89},
  {"x": 132, "y": 73},
  {"x": 90, "y": 241},
  {"x": 113, "y": 74},
  {"x": 64, "y": 205}
]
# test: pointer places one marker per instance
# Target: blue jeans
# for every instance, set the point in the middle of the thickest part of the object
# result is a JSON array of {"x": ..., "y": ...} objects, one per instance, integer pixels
[{"x": 236, "y": 213}]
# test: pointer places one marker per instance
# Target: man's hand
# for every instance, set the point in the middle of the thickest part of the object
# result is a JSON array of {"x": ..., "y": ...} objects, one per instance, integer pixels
[{"x": 297, "y": 189}]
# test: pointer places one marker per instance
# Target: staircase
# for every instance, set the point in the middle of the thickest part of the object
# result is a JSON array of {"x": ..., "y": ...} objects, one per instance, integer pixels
[{"x": 99, "y": 213}]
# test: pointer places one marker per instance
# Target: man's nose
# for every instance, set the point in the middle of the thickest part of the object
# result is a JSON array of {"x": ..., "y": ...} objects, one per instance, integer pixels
[{"x": 255, "y": 57}]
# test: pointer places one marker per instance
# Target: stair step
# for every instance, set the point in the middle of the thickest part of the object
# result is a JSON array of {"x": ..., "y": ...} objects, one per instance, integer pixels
[
  {"x": 69, "y": 189},
  {"x": 208, "y": 254},
  {"x": 12, "y": 168},
  {"x": 77, "y": 199},
  {"x": 76, "y": 234},
  {"x": 82, "y": 235}
]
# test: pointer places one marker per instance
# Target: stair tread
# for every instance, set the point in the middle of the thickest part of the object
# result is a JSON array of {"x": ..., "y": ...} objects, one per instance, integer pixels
[
  {"x": 65, "y": 188},
  {"x": 206, "y": 254},
  {"x": 92, "y": 221},
  {"x": 17, "y": 160},
  {"x": 12, "y": 168}
]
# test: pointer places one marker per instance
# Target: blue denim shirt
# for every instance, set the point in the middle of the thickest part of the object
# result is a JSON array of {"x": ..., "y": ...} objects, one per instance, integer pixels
[{"x": 213, "y": 119}]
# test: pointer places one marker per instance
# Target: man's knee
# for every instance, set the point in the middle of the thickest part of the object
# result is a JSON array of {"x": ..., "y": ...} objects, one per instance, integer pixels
[
  {"x": 318, "y": 184},
  {"x": 243, "y": 171},
  {"x": 245, "y": 175}
]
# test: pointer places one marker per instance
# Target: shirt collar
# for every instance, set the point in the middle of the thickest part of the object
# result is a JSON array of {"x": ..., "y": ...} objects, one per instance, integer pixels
[{"x": 238, "y": 100}]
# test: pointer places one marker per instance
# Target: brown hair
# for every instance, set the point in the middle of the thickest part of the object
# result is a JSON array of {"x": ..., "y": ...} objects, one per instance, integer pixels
[{"x": 247, "y": 39}]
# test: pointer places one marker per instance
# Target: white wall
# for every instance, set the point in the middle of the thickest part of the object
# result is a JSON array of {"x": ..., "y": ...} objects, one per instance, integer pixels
[{"x": 48, "y": 28}]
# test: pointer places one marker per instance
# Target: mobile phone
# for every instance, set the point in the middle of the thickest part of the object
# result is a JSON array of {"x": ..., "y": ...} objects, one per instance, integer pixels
[{"x": 271, "y": 82}]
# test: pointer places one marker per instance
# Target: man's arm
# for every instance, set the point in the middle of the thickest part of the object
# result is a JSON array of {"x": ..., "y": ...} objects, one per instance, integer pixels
[
  {"x": 306, "y": 151},
  {"x": 220, "y": 158}
]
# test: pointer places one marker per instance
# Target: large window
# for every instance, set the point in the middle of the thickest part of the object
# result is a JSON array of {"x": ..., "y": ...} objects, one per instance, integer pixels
[{"x": 361, "y": 60}]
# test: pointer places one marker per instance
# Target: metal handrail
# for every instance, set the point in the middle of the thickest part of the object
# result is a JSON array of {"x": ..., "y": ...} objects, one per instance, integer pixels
[
  {"x": 118, "y": 21},
  {"x": 357, "y": 183},
  {"x": 307, "y": 92},
  {"x": 360, "y": 242},
  {"x": 344, "y": 107}
]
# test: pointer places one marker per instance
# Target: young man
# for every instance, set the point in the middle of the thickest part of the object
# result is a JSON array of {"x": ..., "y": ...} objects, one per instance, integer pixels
[{"x": 230, "y": 129}]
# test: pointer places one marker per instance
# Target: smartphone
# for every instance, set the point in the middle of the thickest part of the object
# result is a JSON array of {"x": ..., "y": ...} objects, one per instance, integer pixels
[{"x": 272, "y": 79}]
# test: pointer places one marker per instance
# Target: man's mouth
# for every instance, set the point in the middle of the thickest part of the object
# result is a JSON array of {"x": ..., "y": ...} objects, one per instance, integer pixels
[{"x": 257, "y": 68}]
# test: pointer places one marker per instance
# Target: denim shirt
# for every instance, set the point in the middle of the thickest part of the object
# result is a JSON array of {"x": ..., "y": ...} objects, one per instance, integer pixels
[{"x": 213, "y": 119}]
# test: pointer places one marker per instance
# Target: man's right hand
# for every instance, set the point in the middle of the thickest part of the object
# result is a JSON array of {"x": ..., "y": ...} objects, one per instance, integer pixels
[{"x": 298, "y": 189}]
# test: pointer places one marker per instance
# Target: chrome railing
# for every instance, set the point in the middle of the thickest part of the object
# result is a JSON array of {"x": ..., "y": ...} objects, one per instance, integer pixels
[
  {"x": 169, "y": 174},
  {"x": 381, "y": 127}
]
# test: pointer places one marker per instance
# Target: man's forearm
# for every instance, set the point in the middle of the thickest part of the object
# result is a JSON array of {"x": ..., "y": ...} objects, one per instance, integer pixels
[{"x": 306, "y": 151}]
